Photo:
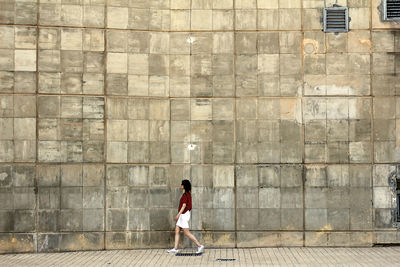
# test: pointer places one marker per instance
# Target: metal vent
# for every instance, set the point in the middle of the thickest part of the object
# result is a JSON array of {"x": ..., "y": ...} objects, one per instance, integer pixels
[
  {"x": 391, "y": 10},
  {"x": 336, "y": 19}
]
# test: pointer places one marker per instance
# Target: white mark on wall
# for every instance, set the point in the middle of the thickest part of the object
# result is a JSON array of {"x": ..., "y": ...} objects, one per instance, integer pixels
[
  {"x": 190, "y": 40},
  {"x": 191, "y": 146},
  {"x": 3, "y": 176},
  {"x": 45, "y": 244}
]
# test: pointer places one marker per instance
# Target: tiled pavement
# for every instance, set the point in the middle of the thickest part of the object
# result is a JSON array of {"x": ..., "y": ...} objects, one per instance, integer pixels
[{"x": 378, "y": 256}]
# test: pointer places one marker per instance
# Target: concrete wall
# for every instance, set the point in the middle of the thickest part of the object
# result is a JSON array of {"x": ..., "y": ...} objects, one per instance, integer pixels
[{"x": 289, "y": 135}]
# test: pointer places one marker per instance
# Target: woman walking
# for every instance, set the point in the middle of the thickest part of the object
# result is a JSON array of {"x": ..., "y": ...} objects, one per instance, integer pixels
[{"x": 183, "y": 217}]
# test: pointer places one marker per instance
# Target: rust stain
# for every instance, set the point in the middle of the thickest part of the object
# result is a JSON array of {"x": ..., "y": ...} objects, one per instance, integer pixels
[
  {"x": 287, "y": 108},
  {"x": 207, "y": 239},
  {"x": 366, "y": 42},
  {"x": 310, "y": 46},
  {"x": 223, "y": 240},
  {"x": 15, "y": 245},
  {"x": 290, "y": 110},
  {"x": 289, "y": 227},
  {"x": 325, "y": 228},
  {"x": 84, "y": 241},
  {"x": 319, "y": 234}
]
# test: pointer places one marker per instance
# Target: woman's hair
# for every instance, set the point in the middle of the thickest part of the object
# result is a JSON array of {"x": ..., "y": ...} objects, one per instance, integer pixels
[{"x": 186, "y": 184}]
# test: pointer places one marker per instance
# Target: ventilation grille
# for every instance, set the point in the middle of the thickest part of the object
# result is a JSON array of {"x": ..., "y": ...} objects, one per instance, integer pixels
[
  {"x": 392, "y": 10},
  {"x": 336, "y": 19}
]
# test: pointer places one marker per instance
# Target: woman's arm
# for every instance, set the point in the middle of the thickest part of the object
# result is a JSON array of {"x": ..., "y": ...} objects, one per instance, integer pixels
[{"x": 180, "y": 212}]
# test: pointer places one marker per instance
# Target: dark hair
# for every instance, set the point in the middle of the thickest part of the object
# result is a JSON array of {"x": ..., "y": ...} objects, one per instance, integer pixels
[{"x": 186, "y": 184}]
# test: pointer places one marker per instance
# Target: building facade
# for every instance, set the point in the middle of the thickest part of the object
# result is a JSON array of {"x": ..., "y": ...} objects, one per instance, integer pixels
[{"x": 288, "y": 133}]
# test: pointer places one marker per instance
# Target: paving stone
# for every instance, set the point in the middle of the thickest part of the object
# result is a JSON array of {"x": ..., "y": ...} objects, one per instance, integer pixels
[{"x": 298, "y": 127}]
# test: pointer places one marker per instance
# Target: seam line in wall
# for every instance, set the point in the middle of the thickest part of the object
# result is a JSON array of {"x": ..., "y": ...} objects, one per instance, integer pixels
[{"x": 105, "y": 131}]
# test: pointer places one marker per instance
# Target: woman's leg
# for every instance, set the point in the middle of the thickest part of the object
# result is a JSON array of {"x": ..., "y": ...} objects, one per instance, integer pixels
[
  {"x": 191, "y": 237},
  {"x": 177, "y": 235}
]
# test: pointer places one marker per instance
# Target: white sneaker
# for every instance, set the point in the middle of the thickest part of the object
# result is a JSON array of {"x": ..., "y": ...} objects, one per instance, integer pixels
[
  {"x": 173, "y": 251},
  {"x": 200, "y": 249}
]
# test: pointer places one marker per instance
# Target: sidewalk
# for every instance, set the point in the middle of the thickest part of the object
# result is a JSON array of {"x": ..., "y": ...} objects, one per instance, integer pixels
[{"x": 378, "y": 256}]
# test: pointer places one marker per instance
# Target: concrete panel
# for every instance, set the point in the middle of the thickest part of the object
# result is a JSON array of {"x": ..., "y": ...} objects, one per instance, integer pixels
[{"x": 269, "y": 117}]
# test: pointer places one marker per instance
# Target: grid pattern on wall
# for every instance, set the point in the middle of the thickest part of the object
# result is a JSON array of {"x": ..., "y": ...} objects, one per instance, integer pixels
[{"x": 288, "y": 134}]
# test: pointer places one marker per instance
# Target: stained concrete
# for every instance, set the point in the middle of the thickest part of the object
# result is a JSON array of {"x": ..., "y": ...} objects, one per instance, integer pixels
[{"x": 288, "y": 134}]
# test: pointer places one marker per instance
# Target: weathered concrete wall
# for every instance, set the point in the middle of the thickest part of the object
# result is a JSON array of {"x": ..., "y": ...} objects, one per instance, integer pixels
[{"x": 289, "y": 135}]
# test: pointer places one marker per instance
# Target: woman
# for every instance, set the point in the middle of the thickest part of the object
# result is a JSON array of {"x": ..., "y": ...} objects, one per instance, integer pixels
[{"x": 183, "y": 217}]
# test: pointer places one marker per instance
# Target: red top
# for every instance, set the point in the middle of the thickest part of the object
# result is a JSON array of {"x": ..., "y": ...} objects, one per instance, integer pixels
[{"x": 186, "y": 198}]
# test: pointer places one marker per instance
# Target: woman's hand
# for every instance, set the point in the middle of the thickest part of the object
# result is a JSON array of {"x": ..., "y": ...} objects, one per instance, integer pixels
[{"x": 180, "y": 212}]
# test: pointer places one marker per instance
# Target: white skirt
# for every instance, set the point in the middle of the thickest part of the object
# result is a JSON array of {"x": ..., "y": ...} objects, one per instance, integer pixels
[{"x": 183, "y": 220}]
